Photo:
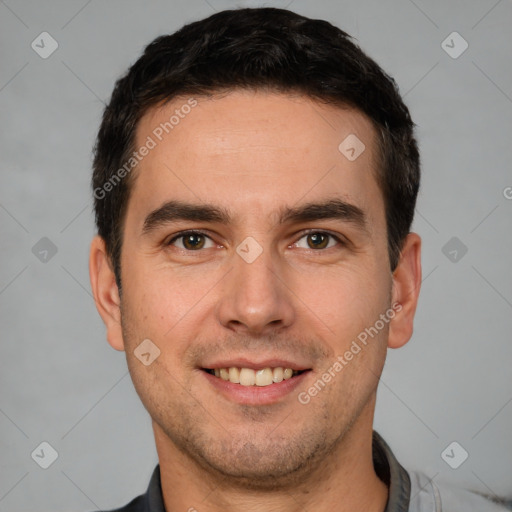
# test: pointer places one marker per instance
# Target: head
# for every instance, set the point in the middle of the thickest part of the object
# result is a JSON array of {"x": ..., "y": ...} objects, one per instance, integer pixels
[{"x": 246, "y": 124}]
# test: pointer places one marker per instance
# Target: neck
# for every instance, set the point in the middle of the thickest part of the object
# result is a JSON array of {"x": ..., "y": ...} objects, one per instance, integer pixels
[{"x": 344, "y": 481}]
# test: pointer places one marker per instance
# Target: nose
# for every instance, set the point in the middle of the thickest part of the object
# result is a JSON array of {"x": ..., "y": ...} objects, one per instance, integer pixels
[{"x": 255, "y": 297}]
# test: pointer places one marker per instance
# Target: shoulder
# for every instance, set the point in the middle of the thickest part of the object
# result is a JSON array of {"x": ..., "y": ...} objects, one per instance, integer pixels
[{"x": 427, "y": 495}]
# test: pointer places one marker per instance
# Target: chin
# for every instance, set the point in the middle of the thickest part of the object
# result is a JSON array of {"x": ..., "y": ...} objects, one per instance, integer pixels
[{"x": 260, "y": 464}]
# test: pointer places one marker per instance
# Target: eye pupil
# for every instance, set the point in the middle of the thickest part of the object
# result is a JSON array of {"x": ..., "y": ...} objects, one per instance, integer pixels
[
  {"x": 190, "y": 241},
  {"x": 318, "y": 240}
]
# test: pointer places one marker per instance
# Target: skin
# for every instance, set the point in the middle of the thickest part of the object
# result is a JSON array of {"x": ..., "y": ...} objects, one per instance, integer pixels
[{"x": 253, "y": 153}]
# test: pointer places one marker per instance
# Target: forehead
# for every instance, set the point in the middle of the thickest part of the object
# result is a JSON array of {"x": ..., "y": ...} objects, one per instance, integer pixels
[{"x": 251, "y": 150}]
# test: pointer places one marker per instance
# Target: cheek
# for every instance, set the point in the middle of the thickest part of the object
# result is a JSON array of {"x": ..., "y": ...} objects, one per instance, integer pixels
[
  {"x": 171, "y": 307},
  {"x": 343, "y": 300},
  {"x": 158, "y": 297}
]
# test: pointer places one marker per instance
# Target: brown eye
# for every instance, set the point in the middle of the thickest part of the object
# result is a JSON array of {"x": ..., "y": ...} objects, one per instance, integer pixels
[
  {"x": 318, "y": 240},
  {"x": 190, "y": 241},
  {"x": 193, "y": 241}
]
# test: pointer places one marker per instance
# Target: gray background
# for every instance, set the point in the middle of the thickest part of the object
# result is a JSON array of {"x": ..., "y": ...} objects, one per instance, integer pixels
[{"x": 62, "y": 383}]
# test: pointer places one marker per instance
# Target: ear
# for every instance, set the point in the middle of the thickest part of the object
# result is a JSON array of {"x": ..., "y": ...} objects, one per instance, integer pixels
[
  {"x": 406, "y": 289},
  {"x": 105, "y": 292}
]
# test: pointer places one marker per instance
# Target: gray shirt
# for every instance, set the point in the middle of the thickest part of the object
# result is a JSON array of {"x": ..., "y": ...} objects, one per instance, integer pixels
[
  {"x": 412, "y": 491},
  {"x": 409, "y": 491}
]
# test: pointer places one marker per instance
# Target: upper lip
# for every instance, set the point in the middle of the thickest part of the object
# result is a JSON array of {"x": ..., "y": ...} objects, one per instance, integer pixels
[{"x": 254, "y": 364}]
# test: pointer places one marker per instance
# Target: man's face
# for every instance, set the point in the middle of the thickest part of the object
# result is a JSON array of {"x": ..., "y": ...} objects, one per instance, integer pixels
[{"x": 294, "y": 295}]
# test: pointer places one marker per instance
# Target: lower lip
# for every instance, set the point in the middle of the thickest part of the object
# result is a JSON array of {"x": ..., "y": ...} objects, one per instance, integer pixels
[{"x": 256, "y": 395}]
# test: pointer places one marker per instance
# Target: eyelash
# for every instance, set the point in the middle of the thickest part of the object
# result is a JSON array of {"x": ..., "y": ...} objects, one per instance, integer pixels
[{"x": 182, "y": 234}]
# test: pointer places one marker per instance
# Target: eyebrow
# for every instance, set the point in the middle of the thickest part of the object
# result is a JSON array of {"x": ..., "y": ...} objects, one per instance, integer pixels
[{"x": 335, "y": 209}]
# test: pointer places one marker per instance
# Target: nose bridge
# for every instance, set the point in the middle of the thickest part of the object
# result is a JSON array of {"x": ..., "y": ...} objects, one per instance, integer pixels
[
  {"x": 254, "y": 270},
  {"x": 255, "y": 296}
]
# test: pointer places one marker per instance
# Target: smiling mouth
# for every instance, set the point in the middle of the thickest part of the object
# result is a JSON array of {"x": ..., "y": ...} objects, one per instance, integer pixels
[{"x": 250, "y": 377}]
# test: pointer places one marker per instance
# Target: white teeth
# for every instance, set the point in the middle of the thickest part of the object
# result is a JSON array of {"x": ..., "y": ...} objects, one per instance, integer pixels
[
  {"x": 247, "y": 377},
  {"x": 264, "y": 377},
  {"x": 250, "y": 377},
  {"x": 277, "y": 375},
  {"x": 234, "y": 375}
]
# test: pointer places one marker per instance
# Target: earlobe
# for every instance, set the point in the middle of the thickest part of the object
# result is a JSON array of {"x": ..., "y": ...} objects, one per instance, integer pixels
[
  {"x": 406, "y": 288},
  {"x": 105, "y": 292}
]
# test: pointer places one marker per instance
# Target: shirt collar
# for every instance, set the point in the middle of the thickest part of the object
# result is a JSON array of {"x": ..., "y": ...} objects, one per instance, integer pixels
[
  {"x": 390, "y": 471},
  {"x": 386, "y": 465}
]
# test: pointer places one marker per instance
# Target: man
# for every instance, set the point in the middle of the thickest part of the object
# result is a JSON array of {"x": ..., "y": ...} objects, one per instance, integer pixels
[{"x": 255, "y": 179}]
